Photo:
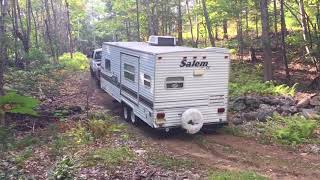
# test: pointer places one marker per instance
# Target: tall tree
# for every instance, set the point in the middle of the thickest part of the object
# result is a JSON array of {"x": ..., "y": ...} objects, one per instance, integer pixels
[
  {"x": 240, "y": 31},
  {"x": 266, "y": 41},
  {"x": 283, "y": 38},
  {"x": 138, "y": 20},
  {"x": 225, "y": 29},
  {"x": 180, "y": 38},
  {"x": 150, "y": 28},
  {"x": 306, "y": 36},
  {"x": 69, "y": 30},
  {"x": 190, "y": 22},
  {"x": 206, "y": 15},
  {"x": 3, "y": 47},
  {"x": 275, "y": 14}
]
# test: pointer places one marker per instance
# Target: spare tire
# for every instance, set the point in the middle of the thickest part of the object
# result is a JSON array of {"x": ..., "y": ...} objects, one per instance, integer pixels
[{"x": 192, "y": 121}]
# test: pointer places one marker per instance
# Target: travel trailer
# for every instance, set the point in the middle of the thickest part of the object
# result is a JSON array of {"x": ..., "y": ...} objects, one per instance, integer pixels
[{"x": 165, "y": 85}]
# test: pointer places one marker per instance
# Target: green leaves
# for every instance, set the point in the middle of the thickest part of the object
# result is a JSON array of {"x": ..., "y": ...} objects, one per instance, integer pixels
[
  {"x": 291, "y": 130},
  {"x": 14, "y": 103},
  {"x": 79, "y": 61},
  {"x": 247, "y": 79}
]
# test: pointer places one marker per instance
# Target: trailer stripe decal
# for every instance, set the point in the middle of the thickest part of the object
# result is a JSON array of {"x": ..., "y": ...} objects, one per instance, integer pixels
[
  {"x": 110, "y": 79},
  {"x": 129, "y": 91},
  {"x": 132, "y": 93},
  {"x": 146, "y": 101}
]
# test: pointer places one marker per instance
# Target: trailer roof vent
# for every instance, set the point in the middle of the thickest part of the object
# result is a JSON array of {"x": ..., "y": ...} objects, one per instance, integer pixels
[{"x": 162, "y": 41}]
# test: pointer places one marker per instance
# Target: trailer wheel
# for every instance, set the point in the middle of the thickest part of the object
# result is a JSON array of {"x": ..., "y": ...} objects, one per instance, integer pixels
[
  {"x": 126, "y": 112},
  {"x": 132, "y": 117}
]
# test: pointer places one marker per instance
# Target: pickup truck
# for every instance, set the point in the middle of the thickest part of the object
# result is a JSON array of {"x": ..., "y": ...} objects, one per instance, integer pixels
[{"x": 95, "y": 62}]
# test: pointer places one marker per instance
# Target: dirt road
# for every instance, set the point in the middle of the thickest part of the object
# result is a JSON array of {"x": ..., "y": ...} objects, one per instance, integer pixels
[{"x": 219, "y": 150}]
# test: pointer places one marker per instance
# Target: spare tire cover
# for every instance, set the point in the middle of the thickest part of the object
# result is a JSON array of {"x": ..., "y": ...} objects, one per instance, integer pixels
[{"x": 192, "y": 121}]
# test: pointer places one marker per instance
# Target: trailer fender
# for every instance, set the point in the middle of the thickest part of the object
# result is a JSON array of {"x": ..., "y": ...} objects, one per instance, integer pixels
[{"x": 192, "y": 121}]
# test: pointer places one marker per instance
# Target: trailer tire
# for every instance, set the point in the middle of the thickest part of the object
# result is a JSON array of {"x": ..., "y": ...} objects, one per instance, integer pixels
[
  {"x": 133, "y": 117},
  {"x": 192, "y": 121},
  {"x": 126, "y": 112}
]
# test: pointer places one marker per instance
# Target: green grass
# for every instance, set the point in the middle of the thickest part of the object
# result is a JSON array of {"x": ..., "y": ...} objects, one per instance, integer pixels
[
  {"x": 110, "y": 157},
  {"x": 248, "y": 79},
  {"x": 233, "y": 175},
  {"x": 170, "y": 162}
]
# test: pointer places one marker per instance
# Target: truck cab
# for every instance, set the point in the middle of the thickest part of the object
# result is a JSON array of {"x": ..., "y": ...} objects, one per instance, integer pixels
[{"x": 95, "y": 62}]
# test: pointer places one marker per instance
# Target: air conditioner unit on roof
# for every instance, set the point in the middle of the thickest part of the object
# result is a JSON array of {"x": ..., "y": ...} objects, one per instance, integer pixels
[{"x": 162, "y": 41}]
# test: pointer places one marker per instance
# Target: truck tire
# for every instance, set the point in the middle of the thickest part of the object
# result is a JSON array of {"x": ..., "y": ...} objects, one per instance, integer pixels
[{"x": 91, "y": 72}]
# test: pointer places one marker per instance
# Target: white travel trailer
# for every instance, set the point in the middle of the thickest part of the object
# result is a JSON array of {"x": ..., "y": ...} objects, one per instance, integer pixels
[{"x": 165, "y": 85}]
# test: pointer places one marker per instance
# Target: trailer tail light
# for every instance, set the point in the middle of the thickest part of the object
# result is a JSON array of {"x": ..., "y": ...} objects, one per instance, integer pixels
[
  {"x": 160, "y": 119},
  {"x": 161, "y": 115},
  {"x": 221, "y": 110}
]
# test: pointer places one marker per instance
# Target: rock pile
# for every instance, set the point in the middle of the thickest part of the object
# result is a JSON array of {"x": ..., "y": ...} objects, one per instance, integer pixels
[{"x": 250, "y": 108}]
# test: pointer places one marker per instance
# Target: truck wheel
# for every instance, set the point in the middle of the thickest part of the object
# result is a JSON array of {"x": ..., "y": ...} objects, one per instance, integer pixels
[
  {"x": 91, "y": 72},
  {"x": 98, "y": 78}
]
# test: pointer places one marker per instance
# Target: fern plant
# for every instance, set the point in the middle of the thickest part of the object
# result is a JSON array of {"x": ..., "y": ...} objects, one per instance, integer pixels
[
  {"x": 18, "y": 104},
  {"x": 292, "y": 129}
]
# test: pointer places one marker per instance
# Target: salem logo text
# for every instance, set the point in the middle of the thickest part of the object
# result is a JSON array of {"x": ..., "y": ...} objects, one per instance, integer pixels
[{"x": 194, "y": 63}]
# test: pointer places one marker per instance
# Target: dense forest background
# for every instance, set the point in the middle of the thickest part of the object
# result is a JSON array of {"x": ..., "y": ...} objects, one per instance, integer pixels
[
  {"x": 57, "y": 123},
  {"x": 31, "y": 29}
]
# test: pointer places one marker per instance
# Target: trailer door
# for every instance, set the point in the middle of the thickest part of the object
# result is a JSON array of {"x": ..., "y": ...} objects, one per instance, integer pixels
[{"x": 129, "y": 77}]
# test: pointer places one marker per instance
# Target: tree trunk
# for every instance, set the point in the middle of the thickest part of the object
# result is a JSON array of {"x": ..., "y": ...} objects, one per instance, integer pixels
[
  {"x": 180, "y": 38},
  {"x": 25, "y": 36},
  {"x": 156, "y": 18},
  {"x": 35, "y": 29},
  {"x": 225, "y": 29},
  {"x": 55, "y": 30},
  {"x": 247, "y": 21},
  {"x": 198, "y": 26},
  {"x": 257, "y": 27},
  {"x": 15, "y": 30},
  {"x": 47, "y": 22},
  {"x": 29, "y": 23},
  {"x": 138, "y": 21},
  {"x": 283, "y": 39},
  {"x": 305, "y": 32},
  {"x": 257, "y": 19},
  {"x": 216, "y": 33},
  {"x": 240, "y": 33},
  {"x": 275, "y": 21},
  {"x": 3, "y": 47},
  {"x": 150, "y": 29},
  {"x": 69, "y": 30},
  {"x": 266, "y": 41},
  {"x": 190, "y": 22},
  {"x": 205, "y": 13},
  {"x": 127, "y": 29}
]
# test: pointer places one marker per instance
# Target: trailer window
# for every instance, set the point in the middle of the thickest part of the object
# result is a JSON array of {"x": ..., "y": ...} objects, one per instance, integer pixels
[
  {"x": 147, "y": 80},
  {"x": 174, "y": 82},
  {"x": 107, "y": 64},
  {"x": 129, "y": 72}
]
